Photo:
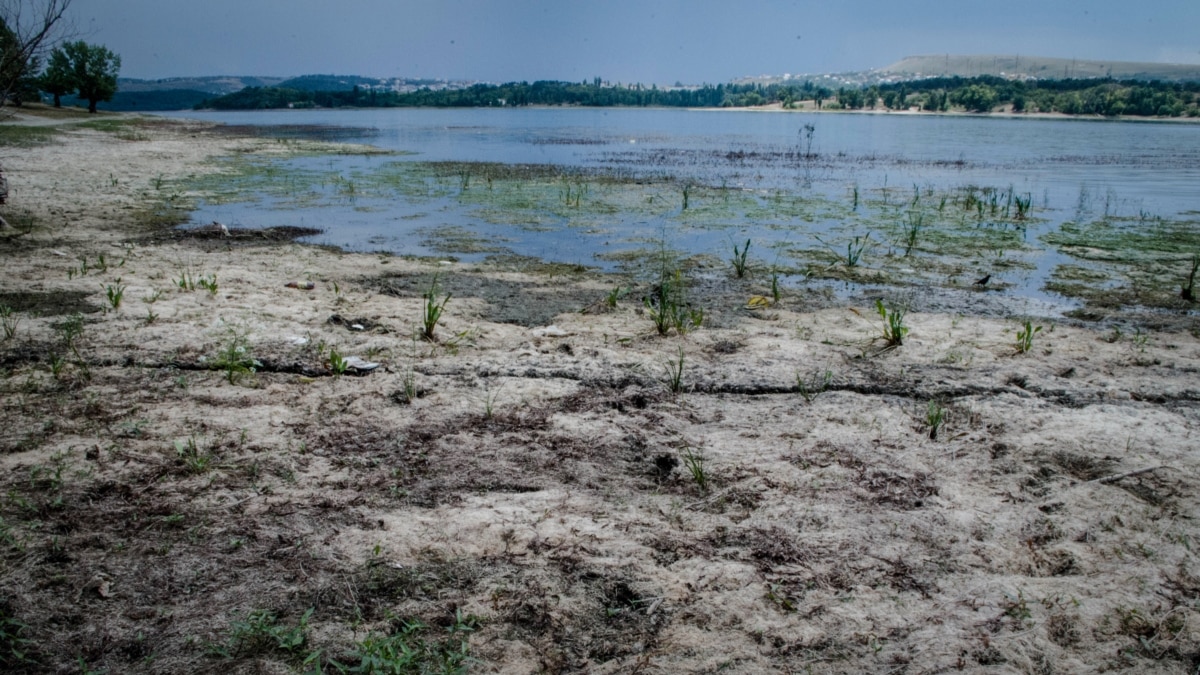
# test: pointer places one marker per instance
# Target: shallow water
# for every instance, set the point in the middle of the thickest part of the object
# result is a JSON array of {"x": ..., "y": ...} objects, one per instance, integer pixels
[{"x": 790, "y": 193}]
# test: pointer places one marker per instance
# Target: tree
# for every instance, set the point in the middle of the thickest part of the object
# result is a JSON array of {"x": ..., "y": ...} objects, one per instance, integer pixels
[
  {"x": 27, "y": 29},
  {"x": 95, "y": 71},
  {"x": 58, "y": 79}
]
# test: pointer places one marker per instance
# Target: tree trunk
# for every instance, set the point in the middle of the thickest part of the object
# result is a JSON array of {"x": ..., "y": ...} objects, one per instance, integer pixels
[
  {"x": 92, "y": 105},
  {"x": 57, "y": 101}
]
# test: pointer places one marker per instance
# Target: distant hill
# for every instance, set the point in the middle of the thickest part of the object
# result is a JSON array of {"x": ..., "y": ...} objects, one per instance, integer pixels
[
  {"x": 1040, "y": 67},
  {"x": 220, "y": 84}
]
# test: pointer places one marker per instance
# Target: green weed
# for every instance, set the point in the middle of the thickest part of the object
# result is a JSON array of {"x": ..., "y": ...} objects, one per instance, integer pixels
[
  {"x": 854, "y": 250},
  {"x": 675, "y": 373},
  {"x": 1188, "y": 290},
  {"x": 935, "y": 418},
  {"x": 260, "y": 633},
  {"x": 234, "y": 357},
  {"x": 195, "y": 460},
  {"x": 15, "y": 648},
  {"x": 739, "y": 259},
  {"x": 814, "y": 384},
  {"x": 408, "y": 650},
  {"x": 208, "y": 283},
  {"x": 613, "y": 296},
  {"x": 694, "y": 463},
  {"x": 668, "y": 307},
  {"x": 1025, "y": 337},
  {"x": 186, "y": 281},
  {"x": 894, "y": 329},
  {"x": 433, "y": 310},
  {"x": 115, "y": 293},
  {"x": 9, "y": 320},
  {"x": 336, "y": 362}
]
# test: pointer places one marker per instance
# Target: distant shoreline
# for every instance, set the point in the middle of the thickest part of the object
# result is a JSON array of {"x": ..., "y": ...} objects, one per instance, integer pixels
[
  {"x": 1000, "y": 114},
  {"x": 771, "y": 108}
]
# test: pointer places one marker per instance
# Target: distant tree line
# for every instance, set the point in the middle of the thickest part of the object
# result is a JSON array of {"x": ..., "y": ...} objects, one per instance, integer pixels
[
  {"x": 977, "y": 94},
  {"x": 986, "y": 93}
]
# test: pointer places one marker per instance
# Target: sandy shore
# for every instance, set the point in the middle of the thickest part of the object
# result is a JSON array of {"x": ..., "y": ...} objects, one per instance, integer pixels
[{"x": 544, "y": 496}]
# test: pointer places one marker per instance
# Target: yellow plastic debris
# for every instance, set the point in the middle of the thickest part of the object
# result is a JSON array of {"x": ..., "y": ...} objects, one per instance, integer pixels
[{"x": 758, "y": 302}]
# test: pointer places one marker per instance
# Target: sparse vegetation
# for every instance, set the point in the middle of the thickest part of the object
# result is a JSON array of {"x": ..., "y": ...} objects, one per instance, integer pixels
[{"x": 814, "y": 384}]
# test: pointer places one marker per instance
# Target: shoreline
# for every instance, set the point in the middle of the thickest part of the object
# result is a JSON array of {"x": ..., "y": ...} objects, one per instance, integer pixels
[{"x": 187, "y": 456}]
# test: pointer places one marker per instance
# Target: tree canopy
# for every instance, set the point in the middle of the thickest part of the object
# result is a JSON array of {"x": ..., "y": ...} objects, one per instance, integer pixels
[
  {"x": 59, "y": 77},
  {"x": 94, "y": 70}
]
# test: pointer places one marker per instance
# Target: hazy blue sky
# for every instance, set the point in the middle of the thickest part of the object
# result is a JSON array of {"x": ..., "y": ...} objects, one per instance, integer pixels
[{"x": 650, "y": 41}]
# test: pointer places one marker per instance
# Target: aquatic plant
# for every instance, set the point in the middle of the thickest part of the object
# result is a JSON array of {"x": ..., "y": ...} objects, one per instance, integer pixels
[
  {"x": 912, "y": 231},
  {"x": 739, "y": 259}
]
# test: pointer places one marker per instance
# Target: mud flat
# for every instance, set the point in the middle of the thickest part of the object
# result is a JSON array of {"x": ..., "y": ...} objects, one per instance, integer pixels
[{"x": 189, "y": 485}]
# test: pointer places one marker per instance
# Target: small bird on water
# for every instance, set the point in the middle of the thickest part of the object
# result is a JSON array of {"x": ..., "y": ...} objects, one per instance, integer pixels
[{"x": 984, "y": 281}]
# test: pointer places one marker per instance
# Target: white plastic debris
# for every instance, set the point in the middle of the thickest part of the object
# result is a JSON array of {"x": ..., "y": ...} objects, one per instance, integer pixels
[
  {"x": 550, "y": 331},
  {"x": 357, "y": 326},
  {"x": 359, "y": 364},
  {"x": 298, "y": 341}
]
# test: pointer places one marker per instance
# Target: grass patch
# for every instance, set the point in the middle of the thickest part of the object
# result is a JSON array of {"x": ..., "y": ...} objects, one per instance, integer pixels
[{"x": 17, "y": 136}]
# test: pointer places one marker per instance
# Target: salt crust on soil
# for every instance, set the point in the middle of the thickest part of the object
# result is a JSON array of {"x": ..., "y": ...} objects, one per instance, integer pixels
[{"x": 537, "y": 482}]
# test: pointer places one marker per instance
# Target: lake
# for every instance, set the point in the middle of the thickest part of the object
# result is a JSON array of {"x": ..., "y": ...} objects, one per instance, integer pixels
[{"x": 921, "y": 199}]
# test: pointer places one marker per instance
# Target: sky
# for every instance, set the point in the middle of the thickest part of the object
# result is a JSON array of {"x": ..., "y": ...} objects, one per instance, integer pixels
[{"x": 647, "y": 41}]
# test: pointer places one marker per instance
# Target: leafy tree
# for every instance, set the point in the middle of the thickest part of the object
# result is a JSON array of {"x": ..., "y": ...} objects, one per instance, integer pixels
[
  {"x": 95, "y": 70},
  {"x": 59, "y": 78},
  {"x": 976, "y": 97}
]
